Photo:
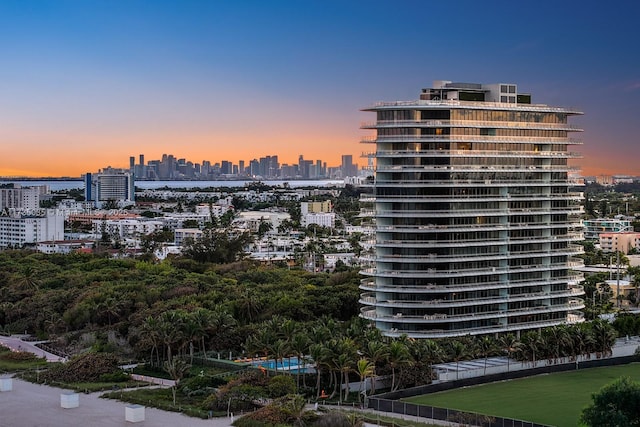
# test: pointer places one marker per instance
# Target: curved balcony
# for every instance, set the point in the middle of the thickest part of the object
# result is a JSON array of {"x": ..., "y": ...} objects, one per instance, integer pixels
[
  {"x": 460, "y": 243},
  {"x": 434, "y": 258},
  {"x": 380, "y": 154},
  {"x": 474, "y": 168},
  {"x": 440, "y": 318},
  {"x": 424, "y": 104},
  {"x": 571, "y": 318},
  {"x": 369, "y": 139},
  {"x": 370, "y": 299},
  {"x": 433, "y": 273},
  {"x": 477, "y": 227},
  {"x": 382, "y": 124},
  {"x": 368, "y": 284}
]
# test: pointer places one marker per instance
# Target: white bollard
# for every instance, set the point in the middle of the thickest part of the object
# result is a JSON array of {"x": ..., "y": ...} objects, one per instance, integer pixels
[
  {"x": 69, "y": 400},
  {"x": 134, "y": 413},
  {"x": 6, "y": 384}
]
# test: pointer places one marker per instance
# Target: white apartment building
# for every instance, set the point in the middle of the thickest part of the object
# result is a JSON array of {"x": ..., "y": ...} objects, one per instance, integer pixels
[
  {"x": 174, "y": 221},
  {"x": 324, "y": 219},
  {"x": 251, "y": 220},
  {"x": 18, "y": 197},
  {"x": 127, "y": 228},
  {"x": 217, "y": 210},
  {"x": 181, "y": 234},
  {"x": 475, "y": 216},
  {"x": 63, "y": 246},
  {"x": 22, "y": 229}
]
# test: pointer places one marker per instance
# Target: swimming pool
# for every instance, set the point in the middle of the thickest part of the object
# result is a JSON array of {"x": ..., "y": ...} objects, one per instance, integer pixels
[{"x": 289, "y": 364}]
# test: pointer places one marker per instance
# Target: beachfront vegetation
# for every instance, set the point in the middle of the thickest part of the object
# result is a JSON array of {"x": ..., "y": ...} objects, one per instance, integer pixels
[{"x": 183, "y": 309}]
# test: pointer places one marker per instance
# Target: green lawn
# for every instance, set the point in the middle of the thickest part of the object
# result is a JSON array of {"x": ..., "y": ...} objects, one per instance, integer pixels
[
  {"x": 554, "y": 399},
  {"x": 162, "y": 398},
  {"x": 195, "y": 370}
]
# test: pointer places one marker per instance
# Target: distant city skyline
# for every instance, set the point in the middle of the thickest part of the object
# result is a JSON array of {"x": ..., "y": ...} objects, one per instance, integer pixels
[
  {"x": 169, "y": 167},
  {"x": 86, "y": 82}
]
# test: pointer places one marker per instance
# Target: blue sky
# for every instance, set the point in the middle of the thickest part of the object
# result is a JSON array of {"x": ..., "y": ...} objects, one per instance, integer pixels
[{"x": 85, "y": 84}]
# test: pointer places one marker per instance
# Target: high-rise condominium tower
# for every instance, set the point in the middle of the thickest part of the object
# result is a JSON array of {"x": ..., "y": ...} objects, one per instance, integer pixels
[{"x": 474, "y": 213}]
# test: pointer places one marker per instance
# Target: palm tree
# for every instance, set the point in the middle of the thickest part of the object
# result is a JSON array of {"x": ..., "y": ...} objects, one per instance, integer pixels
[
  {"x": 201, "y": 319},
  {"x": 344, "y": 364},
  {"x": 487, "y": 346},
  {"x": 279, "y": 351},
  {"x": 193, "y": 331},
  {"x": 318, "y": 353},
  {"x": 26, "y": 280},
  {"x": 377, "y": 352},
  {"x": 219, "y": 324},
  {"x": 248, "y": 306},
  {"x": 260, "y": 342},
  {"x": 110, "y": 307},
  {"x": 531, "y": 342},
  {"x": 170, "y": 331},
  {"x": 634, "y": 272},
  {"x": 558, "y": 340},
  {"x": 344, "y": 360},
  {"x": 151, "y": 331},
  {"x": 457, "y": 353},
  {"x": 398, "y": 358},
  {"x": 582, "y": 340},
  {"x": 300, "y": 346},
  {"x": 509, "y": 344},
  {"x": 365, "y": 368},
  {"x": 604, "y": 337},
  {"x": 319, "y": 334}
]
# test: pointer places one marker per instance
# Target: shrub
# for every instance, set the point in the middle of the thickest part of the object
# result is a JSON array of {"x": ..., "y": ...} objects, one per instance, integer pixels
[
  {"x": 18, "y": 356},
  {"x": 281, "y": 385},
  {"x": 86, "y": 367},
  {"x": 115, "y": 377}
]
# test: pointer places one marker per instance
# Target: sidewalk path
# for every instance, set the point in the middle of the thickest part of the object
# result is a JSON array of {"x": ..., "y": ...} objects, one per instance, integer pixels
[
  {"x": 15, "y": 343},
  {"x": 33, "y": 405}
]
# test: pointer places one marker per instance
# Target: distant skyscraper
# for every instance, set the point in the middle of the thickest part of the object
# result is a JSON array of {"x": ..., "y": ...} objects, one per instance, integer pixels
[
  {"x": 141, "y": 171},
  {"x": 476, "y": 220},
  {"x": 348, "y": 168},
  {"x": 226, "y": 168}
]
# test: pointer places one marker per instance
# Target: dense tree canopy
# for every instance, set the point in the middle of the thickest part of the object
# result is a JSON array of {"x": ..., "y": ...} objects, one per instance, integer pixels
[{"x": 615, "y": 405}]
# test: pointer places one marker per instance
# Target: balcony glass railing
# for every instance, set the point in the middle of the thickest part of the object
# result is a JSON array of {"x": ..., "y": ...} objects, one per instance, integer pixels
[
  {"x": 448, "y": 318},
  {"x": 491, "y": 154},
  {"x": 466, "y": 138},
  {"x": 468, "y": 124},
  {"x": 570, "y": 279},
  {"x": 499, "y": 328},
  {"x": 454, "y": 103}
]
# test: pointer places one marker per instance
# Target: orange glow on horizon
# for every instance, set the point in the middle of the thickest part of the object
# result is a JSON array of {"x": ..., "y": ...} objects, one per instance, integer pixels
[{"x": 78, "y": 157}]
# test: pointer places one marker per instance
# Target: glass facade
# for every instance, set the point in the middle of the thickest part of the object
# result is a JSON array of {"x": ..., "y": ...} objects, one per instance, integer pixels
[{"x": 475, "y": 219}]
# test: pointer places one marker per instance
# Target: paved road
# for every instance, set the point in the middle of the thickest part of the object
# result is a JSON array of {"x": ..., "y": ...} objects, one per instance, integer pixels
[
  {"x": 33, "y": 405},
  {"x": 15, "y": 342}
]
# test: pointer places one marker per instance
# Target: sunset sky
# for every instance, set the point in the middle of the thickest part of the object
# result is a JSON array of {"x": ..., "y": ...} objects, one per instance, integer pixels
[{"x": 86, "y": 84}]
